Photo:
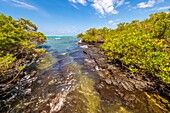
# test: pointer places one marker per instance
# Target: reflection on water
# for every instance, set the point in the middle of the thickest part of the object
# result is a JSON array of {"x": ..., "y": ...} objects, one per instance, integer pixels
[
  {"x": 84, "y": 98},
  {"x": 65, "y": 84}
]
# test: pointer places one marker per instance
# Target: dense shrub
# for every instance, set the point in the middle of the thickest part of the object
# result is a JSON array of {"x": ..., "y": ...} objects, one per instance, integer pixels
[
  {"x": 18, "y": 40},
  {"x": 94, "y": 35},
  {"x": 143, "y": 47}
]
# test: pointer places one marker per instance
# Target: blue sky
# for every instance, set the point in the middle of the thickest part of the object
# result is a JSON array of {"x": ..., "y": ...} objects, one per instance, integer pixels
[{"x": 70, "y": 17}]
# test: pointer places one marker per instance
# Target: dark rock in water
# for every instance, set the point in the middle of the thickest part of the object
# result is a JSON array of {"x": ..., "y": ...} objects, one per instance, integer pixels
[{"x": 44, "y": 46}]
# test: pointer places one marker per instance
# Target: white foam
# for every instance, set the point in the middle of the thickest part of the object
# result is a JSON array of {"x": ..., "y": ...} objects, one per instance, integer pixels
[
  {"x": 63, "y": 53},
  {"x": 97, "y": 68},
  {"x": 80, "y": 41},
  {"x": 71, "y": 73},
  {"x": 84, "y": 46},
  {"x": 57, "y": 38},
  {"x": 89, "y": 60}
]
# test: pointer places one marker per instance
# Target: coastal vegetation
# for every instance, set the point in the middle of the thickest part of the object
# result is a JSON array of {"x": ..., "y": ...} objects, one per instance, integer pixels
[
  {"x": 18, "y": 41},
  {"x": 143, "y": 47}
]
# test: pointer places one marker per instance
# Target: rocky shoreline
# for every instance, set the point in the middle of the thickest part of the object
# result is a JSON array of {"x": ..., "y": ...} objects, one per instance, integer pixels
[
  {"x": 117, "y": 75},
  {"x": 21, "y": 84}
]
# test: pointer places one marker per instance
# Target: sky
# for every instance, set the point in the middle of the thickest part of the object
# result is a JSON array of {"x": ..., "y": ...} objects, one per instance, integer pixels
[{"x": 70, "y": 17}]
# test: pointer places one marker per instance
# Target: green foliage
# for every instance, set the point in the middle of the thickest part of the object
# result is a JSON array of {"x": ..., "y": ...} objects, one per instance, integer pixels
[
  {"x": 18, "y": 39},
  {"x": 93, "y": 35},
  {"x": 6, "y": 60},
  {"x": 80, "y": 35},
  {"x": 144, "y": 47}
]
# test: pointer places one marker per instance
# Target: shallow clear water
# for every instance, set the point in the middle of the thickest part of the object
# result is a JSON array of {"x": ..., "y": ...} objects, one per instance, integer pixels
[{"x": 65, "y": 84}]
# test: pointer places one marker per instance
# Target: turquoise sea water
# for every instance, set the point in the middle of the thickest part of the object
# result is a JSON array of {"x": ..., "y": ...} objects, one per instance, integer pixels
[
  {"x": 65, "y": 48},
  {"x": 61, "y": 43}
]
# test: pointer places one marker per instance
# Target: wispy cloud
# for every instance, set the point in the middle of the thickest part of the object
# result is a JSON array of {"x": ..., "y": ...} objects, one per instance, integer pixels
[
  {"x": 113, "y": 22},
  {"x": 160, "y": 1},
  {"x": 164, "y": 8},
  {"x": 24, "y": 5},
  {"x": 103, "y": 7},
  {"x": 75, "y": 6},
  {"x": 83, "y": 2},
  {"x": 119, "y": 2},
  {"x": 150, "y": 3},
  {"x": 19, "y": 3},
  {"x": 127, "y": 3}
]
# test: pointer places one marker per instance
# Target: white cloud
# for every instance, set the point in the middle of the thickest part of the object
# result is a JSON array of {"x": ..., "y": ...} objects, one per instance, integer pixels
[
  {"x": 164, "y": 8},
  {"x": 83, "y": 2},
  {"x": 150, "y": 3},
  {"x": 75, "y": 6},
  {"x": 111, "y": 22},
  {"x": 102, "y": 6},
  {"x": 119, "y": 2},
  {"x": 19, "y": 3},
  {"x": 23, "y": 4},
  {"x": 106, "y": 6},
  {"x": 127, "y": 3},
  {"x": 159, "y": 1},
  {"x": 99, "y": 8}
]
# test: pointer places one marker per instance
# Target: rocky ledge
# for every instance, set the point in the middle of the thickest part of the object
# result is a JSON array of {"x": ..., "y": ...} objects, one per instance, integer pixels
[{"x": 114, "y": 73}]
